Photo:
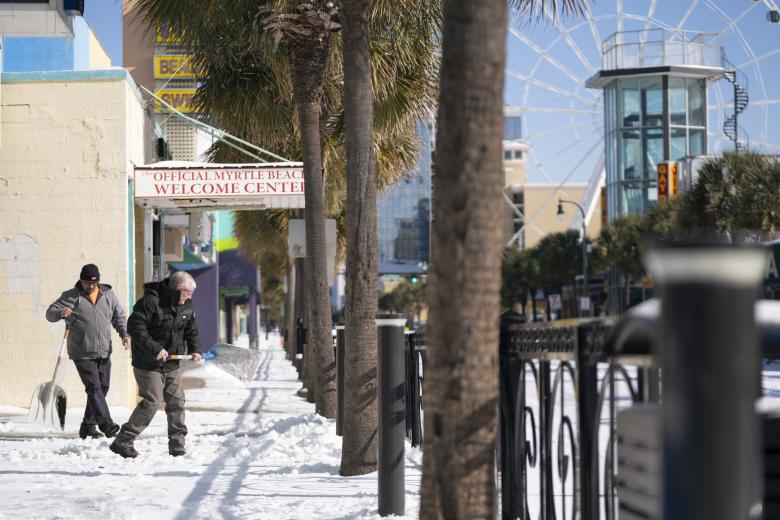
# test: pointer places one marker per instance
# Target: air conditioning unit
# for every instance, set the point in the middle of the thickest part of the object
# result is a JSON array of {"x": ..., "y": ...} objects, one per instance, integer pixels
[
  {"x": 163, "y": 150},
  {"x": 73, "y": 7}
]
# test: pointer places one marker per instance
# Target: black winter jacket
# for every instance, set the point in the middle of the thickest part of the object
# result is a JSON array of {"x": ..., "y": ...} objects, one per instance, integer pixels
[{"x": 157, "y": 323}]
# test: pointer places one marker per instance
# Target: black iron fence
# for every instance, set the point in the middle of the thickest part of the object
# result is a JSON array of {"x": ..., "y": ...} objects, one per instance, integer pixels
[
  {"x": 565, "y": 385},
  {"x": 414, "y": 354},
  {"x": 416, "y": 346}
]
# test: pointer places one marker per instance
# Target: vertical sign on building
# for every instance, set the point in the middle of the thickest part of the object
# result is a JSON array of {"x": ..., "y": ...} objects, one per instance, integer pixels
[
  {"x": 663, "y": 182},
  {"x": 603, "y": 206},
  {"x": 667, "y": 181}
]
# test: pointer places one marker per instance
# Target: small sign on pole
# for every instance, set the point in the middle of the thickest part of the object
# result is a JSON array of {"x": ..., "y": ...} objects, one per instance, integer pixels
[
  {"x": 555, "y": 302},
  {"x": 585, "y": 303}
]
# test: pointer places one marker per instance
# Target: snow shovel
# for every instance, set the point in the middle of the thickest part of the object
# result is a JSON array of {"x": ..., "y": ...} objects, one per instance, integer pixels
[{"x": 49, "y": 401}]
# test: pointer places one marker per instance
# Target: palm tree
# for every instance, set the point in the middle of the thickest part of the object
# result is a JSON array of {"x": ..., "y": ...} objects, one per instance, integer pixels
[
  {"x": 622, "y": 242},
  {"x": 417, "y": 26},
  {"x": 246, "y": 89},
  {"x": 359, "y": 441},
  {"x": 460, "y": 389}
]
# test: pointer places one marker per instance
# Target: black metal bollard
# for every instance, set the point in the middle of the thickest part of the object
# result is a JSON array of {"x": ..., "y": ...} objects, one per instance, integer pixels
[
  {"x": 709, "y": 352},
  {"x": 392, "y": 410},
  {"x": 340, "y": 353},
  {"x": 512, "y": 451}
]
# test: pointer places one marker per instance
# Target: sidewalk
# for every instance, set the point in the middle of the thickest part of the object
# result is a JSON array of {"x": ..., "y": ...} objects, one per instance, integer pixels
[{"x": 254, "y": 451}]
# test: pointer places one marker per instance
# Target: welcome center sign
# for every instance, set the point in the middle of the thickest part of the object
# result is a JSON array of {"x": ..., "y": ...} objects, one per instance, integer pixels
[{"x": 199, "y": 185}]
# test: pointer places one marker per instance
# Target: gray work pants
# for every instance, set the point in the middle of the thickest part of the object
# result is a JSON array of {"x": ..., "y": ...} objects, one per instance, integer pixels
[{"x": 155, "y": 387}]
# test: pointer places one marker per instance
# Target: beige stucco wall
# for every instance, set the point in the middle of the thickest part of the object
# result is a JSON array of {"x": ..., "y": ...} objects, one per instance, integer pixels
[
  {"x": 541, "y": 200},
  {"x": 66, "y": 148},
  {"x": 98, "y": 57}
]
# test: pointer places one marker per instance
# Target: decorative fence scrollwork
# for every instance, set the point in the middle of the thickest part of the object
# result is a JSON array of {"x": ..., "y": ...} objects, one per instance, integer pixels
[{"x": 573, "y": 376}]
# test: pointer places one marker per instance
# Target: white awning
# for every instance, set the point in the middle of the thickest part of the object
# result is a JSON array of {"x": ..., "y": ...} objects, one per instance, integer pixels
[{"x": 196, "y": 185}]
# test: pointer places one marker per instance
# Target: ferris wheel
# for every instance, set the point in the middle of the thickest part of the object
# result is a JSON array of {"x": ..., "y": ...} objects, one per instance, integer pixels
[{"x": 551, "y": 58}]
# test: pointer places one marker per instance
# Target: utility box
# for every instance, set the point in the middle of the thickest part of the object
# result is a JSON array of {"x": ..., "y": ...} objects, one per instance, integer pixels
[{"x": 639, "y": 462}]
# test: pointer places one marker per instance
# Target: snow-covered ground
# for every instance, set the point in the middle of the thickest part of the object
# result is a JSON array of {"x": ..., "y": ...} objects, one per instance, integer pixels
[{"x": 255, "y": 451}]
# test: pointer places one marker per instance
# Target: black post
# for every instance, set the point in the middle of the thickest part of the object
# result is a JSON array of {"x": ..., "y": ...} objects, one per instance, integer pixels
[
  {"x": 587, "y": 397},
  {"x": 709, "y": 356},
  {"x": 546, "y": 490},
  {"x": 512, "y": 419},
  {"x": 340, "y": 341},
  {"x": 392, "y": 404}
]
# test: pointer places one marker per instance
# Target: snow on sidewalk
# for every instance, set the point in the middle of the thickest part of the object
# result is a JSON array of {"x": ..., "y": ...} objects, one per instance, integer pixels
[{"x": 254, "y": 451}]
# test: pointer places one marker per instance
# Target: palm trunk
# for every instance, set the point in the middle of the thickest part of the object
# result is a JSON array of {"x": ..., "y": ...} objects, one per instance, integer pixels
[
  {"x": 308, "y": 61},
  {"x": 358, "y": 455},
  {"x": 461, "y": 390}
]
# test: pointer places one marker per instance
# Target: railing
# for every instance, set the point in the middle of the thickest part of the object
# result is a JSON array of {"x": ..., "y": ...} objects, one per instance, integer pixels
[
  {"x": 416, "y": 346},
  {"x": 562, "y": 385},
  {"x": 414, "y": 353},
  {"x": 659, "y": 47}
]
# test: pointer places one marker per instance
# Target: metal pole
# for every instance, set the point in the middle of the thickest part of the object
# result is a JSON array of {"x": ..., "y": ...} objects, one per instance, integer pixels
[
  {"x": 392, "y": 404},
  {"x": 584, "y": 250},
  {"x": 710, "y": 360},
  {"x": 340, "y": 341},
  {"x": 589, "y": 424}
]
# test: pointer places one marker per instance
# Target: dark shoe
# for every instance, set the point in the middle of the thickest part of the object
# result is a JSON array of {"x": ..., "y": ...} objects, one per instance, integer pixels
[
  {"x": 110, "y": 429},
  {"x": 176, "y": 452},
  {"x": 89, "y": 431},
  {"x": 126, "y": 452}
]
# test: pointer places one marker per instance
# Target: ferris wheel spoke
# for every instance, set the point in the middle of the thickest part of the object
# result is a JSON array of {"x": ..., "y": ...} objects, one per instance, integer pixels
[
  {"x": 734, "y": 21},
  {"x": 756, "y": 59},
  {"x": 539, "y": 164},
  {"x": 641, "y": 18},
  {"x": 753, "y": 102},
  {"x": 552, "y": 88},
  {"x": 545, "y": 110},
  {"x": 648, "y": 19},
  {"x": 560, "y": 129},
  {"x": 562, "y": 182},
  {"x": 570, "y": 41},
  {"x": 546, "y": 55},
  {"x": 764, "y": 144},
  {"x": 594, "y": 30},
  {"x": 687, "y": 14},
  {"x": 759, "y": 75}
]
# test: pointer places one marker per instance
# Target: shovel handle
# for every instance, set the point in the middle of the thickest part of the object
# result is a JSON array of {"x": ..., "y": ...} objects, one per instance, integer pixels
[{"x": 64, "y": 340}]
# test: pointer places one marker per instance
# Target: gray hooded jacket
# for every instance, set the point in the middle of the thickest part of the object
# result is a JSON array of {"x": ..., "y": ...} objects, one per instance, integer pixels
[{"x": 90, "y": 325}]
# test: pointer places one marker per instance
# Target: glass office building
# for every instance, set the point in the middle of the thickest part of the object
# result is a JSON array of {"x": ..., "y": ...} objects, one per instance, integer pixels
[
  {"x": 404, "y": 215},
  {"x": 655, "y": 99}
]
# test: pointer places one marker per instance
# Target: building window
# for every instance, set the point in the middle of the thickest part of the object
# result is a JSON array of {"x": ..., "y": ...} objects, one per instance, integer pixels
[
  {"x": 507, "y": 155},
  {"x": 518, "y": 155}
]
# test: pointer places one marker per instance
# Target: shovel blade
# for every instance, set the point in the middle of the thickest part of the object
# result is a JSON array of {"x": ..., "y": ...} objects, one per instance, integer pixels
[{"x": 48, "y": 405}]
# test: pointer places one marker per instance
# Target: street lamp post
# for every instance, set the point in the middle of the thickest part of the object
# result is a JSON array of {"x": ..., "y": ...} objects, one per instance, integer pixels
[{"x": 560, "y": 215}]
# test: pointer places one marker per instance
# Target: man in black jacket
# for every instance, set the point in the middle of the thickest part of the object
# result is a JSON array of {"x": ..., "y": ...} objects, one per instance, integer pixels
[{"x": 160, "y": 324}]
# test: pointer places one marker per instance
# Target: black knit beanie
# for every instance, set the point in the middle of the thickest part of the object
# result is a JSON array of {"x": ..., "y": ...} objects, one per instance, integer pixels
[{"x": 90, "y": 273}]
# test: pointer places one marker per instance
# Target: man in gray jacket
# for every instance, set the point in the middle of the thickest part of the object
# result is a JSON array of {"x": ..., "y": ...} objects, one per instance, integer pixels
[{"x": 90, "y": 309}]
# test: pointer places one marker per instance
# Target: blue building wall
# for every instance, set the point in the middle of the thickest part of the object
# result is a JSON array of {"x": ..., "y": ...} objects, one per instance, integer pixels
[
  {"x": 27, "y": 54},
  {"x": 34, "y": 54}
]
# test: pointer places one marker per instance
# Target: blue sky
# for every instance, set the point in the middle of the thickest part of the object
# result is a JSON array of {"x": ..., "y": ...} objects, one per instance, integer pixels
[
  {"x": 564, "y": 122},
  {"x": 105, "y": 18}
]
